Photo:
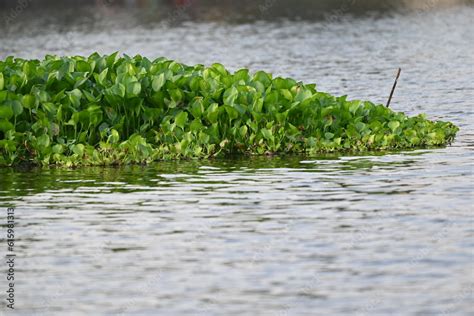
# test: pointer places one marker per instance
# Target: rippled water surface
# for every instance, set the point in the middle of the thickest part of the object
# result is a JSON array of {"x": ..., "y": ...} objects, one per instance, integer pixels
[{"x": 387, "y": 234}]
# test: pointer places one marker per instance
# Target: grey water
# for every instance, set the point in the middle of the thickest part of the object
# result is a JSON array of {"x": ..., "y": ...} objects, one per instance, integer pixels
[{"x": 370, "y": 234}]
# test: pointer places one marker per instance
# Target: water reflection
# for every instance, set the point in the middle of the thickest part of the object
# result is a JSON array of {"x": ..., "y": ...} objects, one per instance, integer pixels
[
  {"x": 30, "y": 180},
  {"x": 201, "y": 237}
]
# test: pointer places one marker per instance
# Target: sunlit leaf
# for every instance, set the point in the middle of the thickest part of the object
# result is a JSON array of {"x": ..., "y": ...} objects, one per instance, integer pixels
[
  {"x": 181, "y": 119},
  {"x": 158, "y": 82}
]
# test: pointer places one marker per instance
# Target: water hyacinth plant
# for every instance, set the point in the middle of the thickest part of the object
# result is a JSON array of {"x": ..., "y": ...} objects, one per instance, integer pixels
[{"x": 103, "y": 110}]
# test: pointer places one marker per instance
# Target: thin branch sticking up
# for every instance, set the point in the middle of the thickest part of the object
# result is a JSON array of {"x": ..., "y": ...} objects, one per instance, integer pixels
[{"x": 394, "y": 86}]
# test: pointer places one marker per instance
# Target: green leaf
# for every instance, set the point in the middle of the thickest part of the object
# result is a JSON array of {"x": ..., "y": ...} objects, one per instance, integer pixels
[
  {"x": 3, "y": 95},
  {"x": 80, "y": 82},
  {"x": 195, "y": 126},
  {"x": 158, "y": 82},
  {"x": 75, "y": 97},
  {"x": 220, "y": 68},
  {"x": 103, "y": 76},
  {"x": 111, "y": 59},
  {"x": 212, "y": 113},
  {"x": 181, "y": 119},
  {"x": 230, "y": 95},
  {"x": 241, "y": 74},
  {"x": 17, "y": 107},
  {"x": 113, "y": 137},
  {"x": 267, "y": 134},
  {"x": 133, "y": 89},
  {"x": 83, "y": 66},
  {"x": 287, "y": 94},
  {"x": 58, "y": 149},
  {"x": 263, "y": 77},
  {"x": 232, "y": 112},
  {"x": 5, "y": 125},
  {"x": 74, "y": 118},
  {"x": 328, "y": 135},
  {"x": 28, "y": 101},
  {"x": 118, "y": 90},
  {"x": 197, "y": 108},
  {"x": 2, "y": 81},
  {"x": 78, "y": 149},
  {"x": 360, "y": 126},
  {"x": 354, "y": 107},
  {"x": 171, "y": 103},
  {"x": 176, "y": 95},
  {"x": 6, "y": 112},
  {"x": 393, "y": 125},
  {"x": 43, "y": 141},
  {"x": 303, "y": 95},
  {"x": 243, "y": 130}
]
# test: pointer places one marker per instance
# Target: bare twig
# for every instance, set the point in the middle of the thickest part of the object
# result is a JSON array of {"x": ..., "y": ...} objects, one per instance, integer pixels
[{"x": 394, "y": 86}]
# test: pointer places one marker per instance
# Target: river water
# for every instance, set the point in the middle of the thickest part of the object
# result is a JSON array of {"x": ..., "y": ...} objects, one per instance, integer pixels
[{"x": 387, "y": 234}]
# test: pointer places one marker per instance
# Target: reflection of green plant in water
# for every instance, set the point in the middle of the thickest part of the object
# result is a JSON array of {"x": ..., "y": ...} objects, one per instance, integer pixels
[
  {"x": 104, "y": 110},
  {"x": 17, "y": 182}
]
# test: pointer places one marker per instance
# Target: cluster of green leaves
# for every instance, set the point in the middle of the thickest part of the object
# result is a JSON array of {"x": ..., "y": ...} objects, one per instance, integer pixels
[{"x": 102, "y": 110}]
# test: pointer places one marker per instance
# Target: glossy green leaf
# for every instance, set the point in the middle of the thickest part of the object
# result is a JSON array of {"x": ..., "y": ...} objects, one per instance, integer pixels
[
  {"x": 103, "y": 76},
  {"x": 267, "y": 134},
  {"x": 28, "y": 101},
  {"x": 181, "y": 119},
  {"x": 393, "y": 125},
  {"x": 158, "y": 82},
  {"x": 118, "y": 90},
  {"x": 133, "y": 89},
  {"x": 6, "y": 111},
  {"x": 197, "y": 108},
  {"x": 212, "y": 113}
]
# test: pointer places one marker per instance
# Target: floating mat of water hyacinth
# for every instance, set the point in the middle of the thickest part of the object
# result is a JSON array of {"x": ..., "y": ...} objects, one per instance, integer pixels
[{"x": 102, "y": 110}]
